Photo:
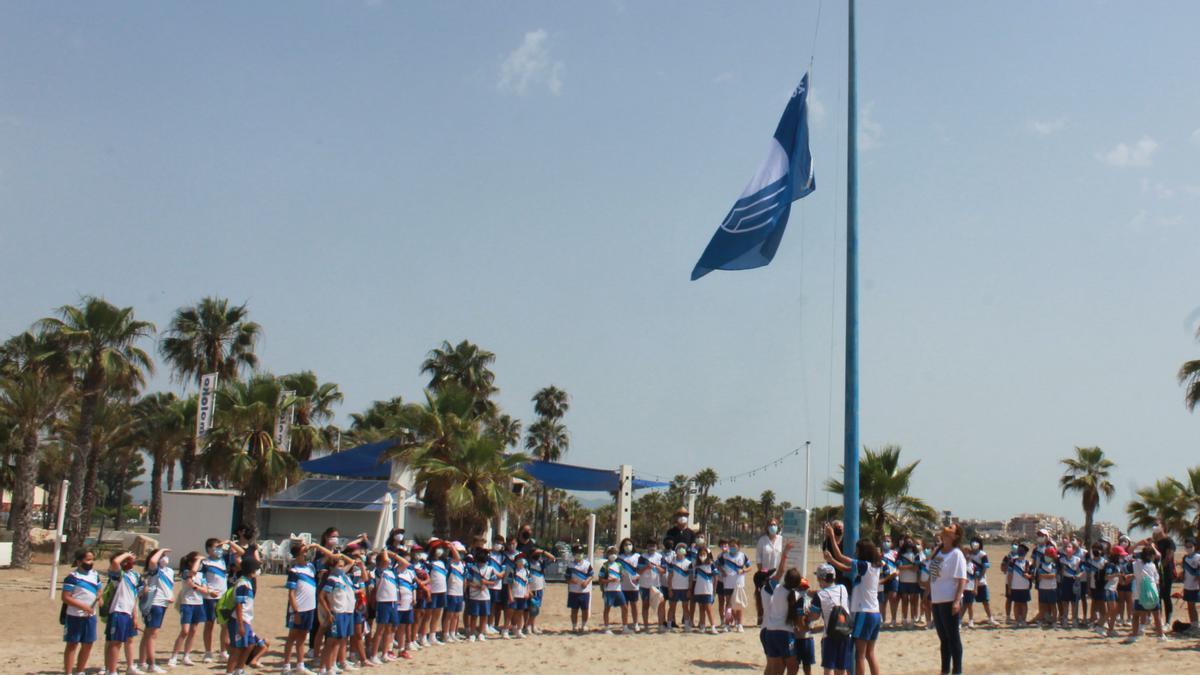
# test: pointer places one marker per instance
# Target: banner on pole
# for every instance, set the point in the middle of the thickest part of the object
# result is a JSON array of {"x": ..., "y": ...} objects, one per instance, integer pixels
[
  {"x": 283, "y": 424},
  {"x": 206, "y": 404},
  {"x": 795, "y": 532}
]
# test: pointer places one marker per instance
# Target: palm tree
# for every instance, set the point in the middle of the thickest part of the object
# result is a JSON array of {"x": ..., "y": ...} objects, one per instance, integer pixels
[
  {"x": 212, "y": 336},
  {"x": 1190, "y": 499},
  {"x": 375, "y": 423},
  {"x": 883, "y": 486},
  {"x": 242, "y": 444},
  {"x": 767, "y": 501},
  {"x": 160, "y": 426},
  {"x": 704, "y": 480},
  {"x": 507, "y": 429},
  {"x": 1189, "y": 377},
  {"x": 31, "y": 396},
  {"x": 551, "y": 402},
  {"x": 435, "y": 431},
  {"x": 480, "y": 474},
  {"x": 1087, "y": 473},
  {"x": 548, "y": 440},
  {"x": 99, "y": 340},
  {"x": 1163, "y": 502},
  {"x": 314, "y": 407},
  {"x": 467, "y": 366}
]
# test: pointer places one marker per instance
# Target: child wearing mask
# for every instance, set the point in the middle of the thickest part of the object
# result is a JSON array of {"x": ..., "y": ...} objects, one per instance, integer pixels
[
  {"x": 80, "y": 594},
  {"x": 1020, "y": 579},
  {"x": 732, "y": 566},
  {"x": 651, "y": 577},
  {"x": 628, "y": 559},
  {"x": 122, "y": 621},
  {"x": 889, "y": 598},
  {"x": 579, "y": 590},
  {"x": 679, "y": 577},
  {"x": 836, "y": 652},
  {"x": 1110, "y": 576},
  {"x": 456, "y": 569},
  {"x": 337, "y": 603},
  {"x": 243, "y": 643},
  {"x": 518, "y": 599},
  {"x": 864, "y": 570},
  {"x": 704, "y": 574},
  {"x": 783, "y": 606},
  {"x": 481, "y": 573},
  {"x": 1046, "y": 570},
  {"x": 1070, "y": 566},
  {"x": 158, "y": 592},
  {"x": 1146, "y": 573},
  {"x": 1125, "y": 588},
  {"x": 982, "y": 565},
  {"x": 908, "y": 564},
  {"x": 215, "y": 567},
  {"x": 191, "y": 609},
  {"x": 301, "y": 613},
  {"x": 537, "y": 588},
  {"x": 610, "y": 578}
]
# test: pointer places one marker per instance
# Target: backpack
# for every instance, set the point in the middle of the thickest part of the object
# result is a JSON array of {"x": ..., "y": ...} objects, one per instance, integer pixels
[
  {"x": 1147, "y": 594},
  {"x": 226, "y": 604},
  {"x": 838, "y": 625},
  {"x": 106, "y": 598}
]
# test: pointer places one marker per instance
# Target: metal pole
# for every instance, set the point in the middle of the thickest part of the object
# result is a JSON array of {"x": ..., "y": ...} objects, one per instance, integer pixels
[
  {"x": 807, "y": 505},
  {"x": 591, "y": 537},
  {"x": 850, "y": 460},
  {"x": 58, "y": 535}
]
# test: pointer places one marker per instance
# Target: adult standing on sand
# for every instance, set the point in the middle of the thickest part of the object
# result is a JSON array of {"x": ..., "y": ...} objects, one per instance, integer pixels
[
  {"x": 769, "y": 553},
  {"x": 1165, "y": 545},
  {"x": 680, "y": 533},
  {"x": 947, "y": 580}
]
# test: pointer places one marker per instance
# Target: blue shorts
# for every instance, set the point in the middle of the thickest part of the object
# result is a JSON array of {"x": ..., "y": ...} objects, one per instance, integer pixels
[
  {"x": 499, "y": 597},
  {"x": 725, "y": 592},
  {"x": 908, "y": 588},
  {"x": 579, "y": 600},
  {"x": 836, "y": 653},
  {"x": 518, "y": 604},
  {"x": 236, "y": 639},
  {"x": 1019, "y": 595},
  {"x": 1110, "y": 596},
  {"x": 644, "y": 594},
  {"x": 120, "y": 628},
  {"x": 981, "y": 593},
  {"x": 1066, "y": 592},
  {"x": 777, "y": 644},
  {"x": 386, "y": 614},
  {"x": 154, "y": 618},
  {"x": 80, "y": 630},
  {"x": 341, "y": 627},
  {"x": 210, "y": 610},
  {"x": 192, "y": 614},
  {"x": 805, "y": 651},
  {"x": 968, "y": 597},
  {"x": 1098, "y": 594},
  {"x": 360, "y": 617},
  {"x": 1191, "y": 596},
  {"x": 892, "y": 586},
  {"x": 301, "y": 620},
  {"x": 702, "y": 599},
  {"x": 1047, "y": 596},
  {"x": 437, "y": 601},
  {"x": 405, "y": 617},
  {"x": 478, "y": 608},
  {"x": 679, "y": 595},
  {"x": 630, "y": 596},
  {"x": 454, "y": 604},
  {"x": 866, "y": 626},
  {"x": 614, "y": 599},
  {"x": 422, "y": 603},
  {"x": 1138, "y": 607}
]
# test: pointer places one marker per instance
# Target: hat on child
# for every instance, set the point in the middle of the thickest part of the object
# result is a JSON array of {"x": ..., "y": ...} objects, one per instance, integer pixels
[{"x": 826, "y": 571}]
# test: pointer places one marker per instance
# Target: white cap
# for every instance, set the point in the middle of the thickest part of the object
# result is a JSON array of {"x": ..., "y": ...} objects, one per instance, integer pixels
[{"x": 826, "y": 571}]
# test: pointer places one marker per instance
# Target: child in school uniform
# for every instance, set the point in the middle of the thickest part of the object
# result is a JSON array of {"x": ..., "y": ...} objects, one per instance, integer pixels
[
  {"x": 836, "y": 652},
  {"x": 1047, "y": 584},
  {"x": 301, "y": 613},
  {"x": 1191, "y": 583},
  {"x": 628, "y": 559},
  {"x": 650, "y": 580},
  {"x": 80, "y": 593},
  {"x": 158, "y": 592},
  {"x": 733, "y": 565},
  {"x": 122, "y": 613},
  {"x": 1111, "y": 578},
  {"x": 243, "y": 643},
  {"x": 480, "y": 576},
  {"x": 982, "y": 596},
  {"x": 191, "y": 609},
  {"x": 337, "y": 602},
  {"x": 1125, "y": 588},
  {"x": 782, "y": 607},
  {"x": 456, "y": 574},
  {"x": 360, "y": 580},
  {"x": 924, "y": 579},
  {"x": 1070, "y": 566},
  {"x": 1020, "y": 579},
  {"x": 864, "y": 570},
  {"x": 704, "y": 575},
  {"x": 889, "y": 582},
  {"x": 679, "y": 577},
  {"x": 498, "y": 561},
  {"x": 387, "y": 616},
  {"x": 537, "y": 588},
  {"x": 215, "y": 567},
  {"x": 610, "y": 578},
  {"x": 967, "y": 616},
  {"x": 579, "y": 589},
  {"x": 908, "y": 563},
  {"x": 518, "y": 599}
]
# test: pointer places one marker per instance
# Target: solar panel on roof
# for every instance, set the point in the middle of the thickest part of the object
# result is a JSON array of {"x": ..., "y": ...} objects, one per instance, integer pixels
[{"x": 326, "y": 493}]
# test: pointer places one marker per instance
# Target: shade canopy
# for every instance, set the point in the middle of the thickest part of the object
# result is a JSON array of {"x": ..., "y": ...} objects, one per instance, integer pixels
[{"x": 368, "y": 461}]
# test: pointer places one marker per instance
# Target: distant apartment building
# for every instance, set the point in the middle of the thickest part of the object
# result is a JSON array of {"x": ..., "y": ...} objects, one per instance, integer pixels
[
  {"x": 988, "y": 530},
  {"x": 1026, "y": 525}
]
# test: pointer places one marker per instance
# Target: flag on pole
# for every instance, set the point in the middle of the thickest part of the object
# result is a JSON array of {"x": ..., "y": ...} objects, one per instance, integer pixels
[
  {"x": 283, "y": 423},
  {"x": 750, "y": 234},
  {"x": 206, "y": 404}
]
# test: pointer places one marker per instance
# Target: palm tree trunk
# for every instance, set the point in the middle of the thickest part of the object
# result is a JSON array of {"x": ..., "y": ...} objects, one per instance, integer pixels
[
  {"x": 89, "y": 484},
  {"x": 77, "y": 529},
  {"x": 170, "y": 475},
  {"x": 22, "y": 503},
  {"x": 250, "y": 498},
  {"x": 1087, "y": 526},
  {"x": 156, "y": 471},
  {"x": 119, "y": 512},
  {"x": 187, "y": 464}
]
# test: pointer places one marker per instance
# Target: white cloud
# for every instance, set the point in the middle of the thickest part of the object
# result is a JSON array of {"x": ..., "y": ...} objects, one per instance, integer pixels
[
  {"x": 1157, "y": 189},
  {"x": 1047, "y": 127},
  {"x": 1135, "y": 155},
  {"x": 530, "y": 65},
  {"x": 816, "y": 107},
  {"x": 870, "y": 132},
  {"x": 723, "y": 78}
]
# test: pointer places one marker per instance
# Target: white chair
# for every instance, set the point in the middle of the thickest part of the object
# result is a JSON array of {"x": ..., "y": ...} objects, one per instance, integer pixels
[
  {"x": 279, "y": 555},
  {"x": 265, "y": 548}
]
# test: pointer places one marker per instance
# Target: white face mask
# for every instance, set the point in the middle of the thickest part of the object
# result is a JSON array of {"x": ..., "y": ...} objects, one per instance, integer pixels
[
  {"x": 422, "y": 556},
  {"x": 612, "y": 557},
  {"x": 627, "y": 548},
  {"x": 974, "y": 546},
  {"x": 681, "y": 552},
  {"x": 699, "y": 541},
  {"x": 772, "y": 529},
  {"x": 682, "y": 520},
  {"x": 398, "y": 539},
  {"x": 580, "y": 557}
]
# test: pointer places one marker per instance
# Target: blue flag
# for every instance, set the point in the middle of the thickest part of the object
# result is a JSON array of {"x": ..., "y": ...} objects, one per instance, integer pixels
[{"x": 750, "y": 234}]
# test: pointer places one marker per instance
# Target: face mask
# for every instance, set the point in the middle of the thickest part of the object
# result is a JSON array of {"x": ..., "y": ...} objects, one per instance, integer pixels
[
  {"x": 422, "y": 556},
  {"x": 681, "y": 552},
  {"x": 887, "y": 545},
  {"x": 772, "y": 529},
  {"x": 86, "y": 567},
  {"x": 733, "y": 550},
  {"x": 164, "y": 561},
  {"x": 974, "y": 546},
  {"x": 437, "y": 553},
  {"x": 926, "y": 552},
  {"x": 580, "y": 557},
  {"x": 498, "y": 548},
  {"x": 703, "y": 559},
  {"x": 700, "y": 541},
  {"x": 1014, "y": 548},
  {"x": 215, "y": 553},
  {"x": 612, "y": 557},
  {"x": 682, "y": 520},
  {"x": 398, "y": 539}
]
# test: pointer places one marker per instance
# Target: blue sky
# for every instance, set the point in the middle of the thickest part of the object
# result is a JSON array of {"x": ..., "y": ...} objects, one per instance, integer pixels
[{"x": 540, "y": 178}]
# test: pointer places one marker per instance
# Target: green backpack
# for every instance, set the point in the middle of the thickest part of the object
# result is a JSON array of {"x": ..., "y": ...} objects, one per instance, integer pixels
[
  {"x": 1147, "y": 594},
  {"x": 225, "y": 605},
  {"x": 106, "y": 598}
]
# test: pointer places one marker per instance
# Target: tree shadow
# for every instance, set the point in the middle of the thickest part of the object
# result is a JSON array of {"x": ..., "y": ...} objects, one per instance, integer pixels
[{"x": 725, "y": 665}]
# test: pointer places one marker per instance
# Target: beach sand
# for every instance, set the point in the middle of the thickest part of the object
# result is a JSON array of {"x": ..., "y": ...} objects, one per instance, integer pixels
[{"x": 29, "y": 623}]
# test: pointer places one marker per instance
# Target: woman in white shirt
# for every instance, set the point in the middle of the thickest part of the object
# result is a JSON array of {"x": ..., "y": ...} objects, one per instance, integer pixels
[
  {"x": 863, "y": 571},
  {"x": 768, "y": 555},
  {"x": 947, "y": 580},
  {"x": 1145, "y": 569}
]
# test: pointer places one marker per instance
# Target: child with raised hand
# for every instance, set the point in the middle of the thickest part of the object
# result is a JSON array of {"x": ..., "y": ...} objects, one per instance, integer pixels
[
  {"x": 337, "y": 602},
  {"x": 243, "y": 643},
  {"x": 158, "y": 582},
  {"x": 579, "y": 590},
  {"x": 191, "y": 608},
  {"x": 388, "y": 565},
  {"x": 782, "y": 607},
  {"x": 359, "y": 578},
  {"x": 864, "y": 569},
  {"x": 122, "y": 613},
  {"x": 80, "y": 594},
  {"x": 216, "y": 569},
  {"x": 301, "y": 613},
  {"x": 1145, "y": 582}
]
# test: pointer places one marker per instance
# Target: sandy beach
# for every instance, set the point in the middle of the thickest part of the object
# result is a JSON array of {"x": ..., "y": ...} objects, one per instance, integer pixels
[{"x": 30, "y": 622}]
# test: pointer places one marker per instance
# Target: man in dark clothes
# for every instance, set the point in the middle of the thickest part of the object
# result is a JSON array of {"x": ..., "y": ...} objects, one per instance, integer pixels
[
  {"x": 1166, "y": 548},
  {"x": 842, "y": 578},
  {"x": 680, "y": 533}
]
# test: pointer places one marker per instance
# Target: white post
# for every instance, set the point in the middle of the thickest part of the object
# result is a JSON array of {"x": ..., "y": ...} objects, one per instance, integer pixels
[
  {"x": 401, "y": 508},
  {"x": 624, "y": 501},
  {"x": 503, "y": 523},
  {"x": 807, "y": 505},
  {"x": 591, "y": 537},
  {"x": 58, "y": 535},
  {"x": 691, "y": 505}
]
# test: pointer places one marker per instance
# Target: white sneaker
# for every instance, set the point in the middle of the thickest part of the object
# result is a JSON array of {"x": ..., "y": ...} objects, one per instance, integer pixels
[
  {"x": 155, "y": 669},
  {"x": 712, "y": 630},
  {"x": 286, "y": 670},
  {"x": 224, "y": 656},
  {"x": 172, "y": 662},
  {"x": 350, "y": 665},
  {"x": 1129, "y": 640},
  {"x": 740, "y": 629},
  {"x": 507, "y": 635},
  {"x": 1163, "y": 638},
  {"x": 187, "y": 661},
  {"x": 482, "y": 637},
  {"x": 425, "y": 641},
  {"x": 208, "y": 657},
  {"x": 134, "y": 670},
  {"x": 302, "y": 670},
  {"x": 626, "y": 631},
  {"x": 471, "y": 639},
  {"x": 490, "y": 629}
]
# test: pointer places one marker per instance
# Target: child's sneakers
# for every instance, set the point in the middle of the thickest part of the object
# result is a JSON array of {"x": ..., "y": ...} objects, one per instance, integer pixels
[
  {"x": 712, "y": 630},
  {"x": 208, "y": 657},
  {"x": 740, "y": 629},
  {"x": 156, "y": 669},
  {"x": 173, "y": 661}
]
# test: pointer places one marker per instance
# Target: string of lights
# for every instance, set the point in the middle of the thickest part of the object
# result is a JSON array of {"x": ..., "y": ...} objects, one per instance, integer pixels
[{"x": 732, "y": 478}]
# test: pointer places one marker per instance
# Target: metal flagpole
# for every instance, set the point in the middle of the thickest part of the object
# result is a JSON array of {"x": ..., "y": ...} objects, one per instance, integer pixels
[
  {"x": 850, "y": 460},
  {"x": 807, "y": 506}
]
